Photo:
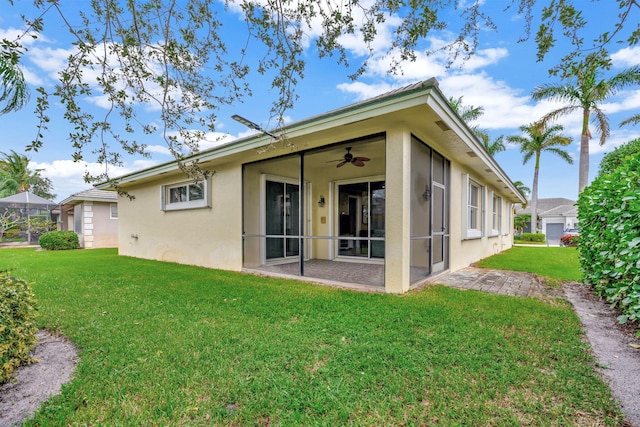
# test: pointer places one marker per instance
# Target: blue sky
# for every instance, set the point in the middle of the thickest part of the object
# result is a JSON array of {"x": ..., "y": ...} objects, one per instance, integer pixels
[{"x": 500, "y": 78}]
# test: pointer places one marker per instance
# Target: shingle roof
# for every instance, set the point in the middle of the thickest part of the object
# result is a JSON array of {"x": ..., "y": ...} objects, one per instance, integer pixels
[
  {"x": 564, "y": 210},
  {"x": 554, "y": 206},
  {"x": 92, "y": 194}
]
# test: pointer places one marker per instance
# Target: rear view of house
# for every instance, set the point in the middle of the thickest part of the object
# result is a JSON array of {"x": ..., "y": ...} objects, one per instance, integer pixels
[
  {"x": 381, "y": 194},
  {"x": 93, "y": 216}
]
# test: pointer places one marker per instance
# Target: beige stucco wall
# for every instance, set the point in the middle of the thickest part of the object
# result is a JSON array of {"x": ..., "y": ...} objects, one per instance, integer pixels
[
  {"x": 105, "y": 229},
  {"x": 210, "y": 237},
  {"x": 465, "y": 252}
]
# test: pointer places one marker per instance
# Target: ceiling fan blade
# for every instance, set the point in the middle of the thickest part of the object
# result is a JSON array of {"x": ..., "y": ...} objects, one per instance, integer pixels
[
  {"x": 342, "y": 163},
  {"x": 363, "y": 159},
  {"x": 357, "y": 162}
]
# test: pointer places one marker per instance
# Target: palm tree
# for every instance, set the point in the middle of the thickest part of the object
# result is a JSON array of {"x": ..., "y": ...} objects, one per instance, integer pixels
[
  {"x": 469, "y": 113},
  {"x": 524, "y": 190},
  {"x": 587, "y": 94},
  {"x": 15, "y": 176},
  {"x": 494, "y": 146},
  {"x": 536, "y": 138},
  {"x": 14, "y": 93},
  {"x": 633, "y": 120}
]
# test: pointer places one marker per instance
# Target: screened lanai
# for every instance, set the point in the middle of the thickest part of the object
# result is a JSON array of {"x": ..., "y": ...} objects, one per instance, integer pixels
[{"x": 324, "y": 214}]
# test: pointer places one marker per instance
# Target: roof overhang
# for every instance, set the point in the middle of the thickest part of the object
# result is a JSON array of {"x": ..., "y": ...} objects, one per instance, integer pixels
[{"x": 470, "y": 150}]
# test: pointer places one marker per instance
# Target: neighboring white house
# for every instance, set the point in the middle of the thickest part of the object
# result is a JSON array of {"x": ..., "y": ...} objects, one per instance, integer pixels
[
  {"x": 384, "y": 194},
  {"x": 555, "y": 214},
  {"x": 93, "y": 215}
]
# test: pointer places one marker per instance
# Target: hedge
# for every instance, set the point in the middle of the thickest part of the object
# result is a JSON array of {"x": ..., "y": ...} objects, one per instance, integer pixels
[
  {"x": 17, "y": 324},
  {"x": 59, "y": 240},
  {"x": 532, "y": 237},
  {"x": 609, "y": 244}
]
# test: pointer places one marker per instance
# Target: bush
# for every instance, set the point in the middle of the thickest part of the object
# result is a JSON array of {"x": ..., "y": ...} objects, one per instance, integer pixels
[
  {"x": 532, "y": 237},
  {"x": 612, "y": 160},
  {"x": 59, "y": 240},
  {"x": 609, "y": 244},
  {"x": 17, "y": 324},
  {"x": 569, "y": 240}
]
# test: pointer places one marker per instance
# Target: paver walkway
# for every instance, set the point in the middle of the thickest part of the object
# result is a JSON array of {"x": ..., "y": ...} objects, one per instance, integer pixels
[{"x": 514, "y": 283}]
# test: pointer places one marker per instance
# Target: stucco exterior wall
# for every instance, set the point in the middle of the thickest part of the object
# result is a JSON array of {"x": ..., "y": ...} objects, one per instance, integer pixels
[
  {"x": 209, "y": 237},
  {"x": 105, "y": 229},
  {"x": 465, "y": 252}
]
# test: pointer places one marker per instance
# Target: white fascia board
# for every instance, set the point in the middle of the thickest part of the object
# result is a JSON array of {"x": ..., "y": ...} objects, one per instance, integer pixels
[{"x": 441, "y": 106}]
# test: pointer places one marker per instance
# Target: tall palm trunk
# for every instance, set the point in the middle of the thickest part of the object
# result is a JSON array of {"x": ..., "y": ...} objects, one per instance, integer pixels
[
  {"x": 534, "y": 195},
  {"x": 583, "y": 174}
]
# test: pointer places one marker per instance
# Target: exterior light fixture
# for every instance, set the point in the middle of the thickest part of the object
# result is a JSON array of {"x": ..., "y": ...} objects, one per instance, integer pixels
[
  {"x": 321, "y": 202},
  {"x": 427, "y": 193},
  {"x": 248, "y": 123}
]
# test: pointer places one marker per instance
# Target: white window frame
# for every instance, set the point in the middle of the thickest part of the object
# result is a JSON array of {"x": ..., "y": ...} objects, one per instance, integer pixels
[
  {"x": 111, "y": 210},
  {"x": 187, "y": 203},
  {"x": 470, "y": 211},
  {"x": 496, "y": 214}
]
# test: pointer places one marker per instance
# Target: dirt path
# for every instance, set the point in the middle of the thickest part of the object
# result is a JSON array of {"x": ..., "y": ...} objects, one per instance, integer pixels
[
  {"x": 612, "y": 347},
  {"x": 34, "y": 384}
]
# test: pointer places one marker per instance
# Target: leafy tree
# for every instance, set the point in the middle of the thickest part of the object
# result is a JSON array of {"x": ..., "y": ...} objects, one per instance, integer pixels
[
  {"x": 536, "y": 138},
  {"x": 154, "y": 53},
  {"x": 520, "y": 222},
  {"x": 43, "y": 187},
  {"x": 8, "y": 220},
  {"x": 14, "y": 93},
  {"x": 16, "y": 177},
  {"x": 586, "y": 91}
]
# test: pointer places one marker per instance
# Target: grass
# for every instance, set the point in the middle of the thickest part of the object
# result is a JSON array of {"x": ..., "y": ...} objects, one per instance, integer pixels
[
  {"x": 557, "y": 263},
  {"x": 168, "y": 344}
]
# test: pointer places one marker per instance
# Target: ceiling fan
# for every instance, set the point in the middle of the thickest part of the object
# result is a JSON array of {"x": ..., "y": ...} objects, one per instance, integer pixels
[{"x": 350, "y": 158}]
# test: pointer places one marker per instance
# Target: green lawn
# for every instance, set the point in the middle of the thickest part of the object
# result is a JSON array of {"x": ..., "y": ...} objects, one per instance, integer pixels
[
  {"x": 555, "y": 262},
  {"x": 167, "y": 344}
]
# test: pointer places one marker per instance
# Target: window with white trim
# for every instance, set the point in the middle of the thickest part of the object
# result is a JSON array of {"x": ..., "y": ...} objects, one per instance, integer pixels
[
  {"x": 474, "y": 212},
  {"x": 186, "y": 195},
  {"x": 496, "y": 215},
  {"x": 113, "y": 210}
]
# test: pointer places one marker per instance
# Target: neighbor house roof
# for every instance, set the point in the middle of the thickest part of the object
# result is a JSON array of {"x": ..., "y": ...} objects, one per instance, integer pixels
[
  {"x": 26, "y": 198},
  {"x": 563, "y": 210},
  {"x": 553, "y": 206},
  {"x": 93, "y": 195},
  {"x": 420, "y": 93}
]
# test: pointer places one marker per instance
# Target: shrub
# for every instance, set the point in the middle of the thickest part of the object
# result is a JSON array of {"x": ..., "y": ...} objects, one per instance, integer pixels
[
  {"x": 532, "y": 237},
  {"x": 17, "y": 324},
  {"x": 612, "y": 160},
  {"x": 569, "y": 240},
  {"x": 59, "y": 240},
  {"x": 609, "y": 244}
]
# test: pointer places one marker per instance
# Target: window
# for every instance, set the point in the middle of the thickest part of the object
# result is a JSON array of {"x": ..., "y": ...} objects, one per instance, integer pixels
[
  {"x": 474, "y": 206},
  {"x": 474, "y": 214},
  {"x": 496, "y": 215},
  {"x": 113, "y": 211},
  {"x": 188, "y": 195}
]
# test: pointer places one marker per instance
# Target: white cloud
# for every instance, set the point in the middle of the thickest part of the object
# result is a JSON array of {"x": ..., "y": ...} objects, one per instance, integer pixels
[
  {"x": 67, "y": 176},
  {"x": 627, "y": 57},
  {"x": 364, "y": 91}
]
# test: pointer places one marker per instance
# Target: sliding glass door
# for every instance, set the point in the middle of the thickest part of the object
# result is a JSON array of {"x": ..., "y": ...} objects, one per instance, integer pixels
[
  {"x": 282, "y": 202},
  {"x": 361, "y": 216}
]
